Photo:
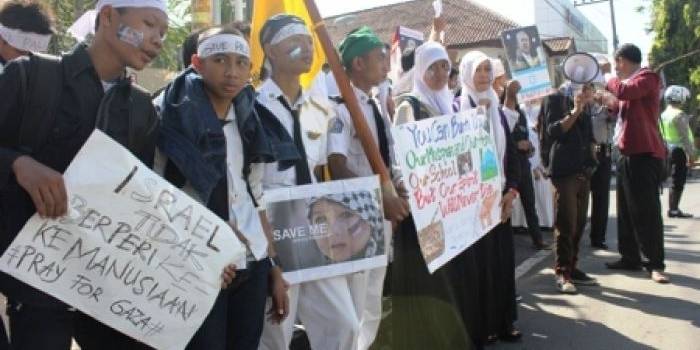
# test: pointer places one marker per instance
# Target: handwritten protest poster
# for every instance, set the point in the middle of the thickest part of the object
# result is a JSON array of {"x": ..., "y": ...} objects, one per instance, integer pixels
[
  {"x": 328, "y": 229},
  {"x": 527, "y": 61},
  {"x": 134, "y": 252},
  {"x": 450, "y": 168}
]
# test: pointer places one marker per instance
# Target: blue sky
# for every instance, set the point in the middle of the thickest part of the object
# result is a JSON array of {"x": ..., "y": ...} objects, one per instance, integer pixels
[{"x": 631, "y": 26}]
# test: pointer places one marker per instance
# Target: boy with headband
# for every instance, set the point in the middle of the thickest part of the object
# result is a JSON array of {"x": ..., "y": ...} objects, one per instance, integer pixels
[
  {"x": 91, "y": 90},
  {"x": 213, "y": 101},
  {"x": 325, "y": 306},
  {"x": 25, "y": 27}
]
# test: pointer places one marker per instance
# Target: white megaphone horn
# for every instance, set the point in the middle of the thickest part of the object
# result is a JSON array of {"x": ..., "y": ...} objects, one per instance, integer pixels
[{"x": 580, "y": 68}]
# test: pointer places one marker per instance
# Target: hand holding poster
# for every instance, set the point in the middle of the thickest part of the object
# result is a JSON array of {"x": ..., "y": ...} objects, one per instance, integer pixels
[
  {"x": 328, "y": 229},
  {"x": 451, "y": 170},
  {"x": 134, "y": 252},
  {"x": 527, "y": 61}
]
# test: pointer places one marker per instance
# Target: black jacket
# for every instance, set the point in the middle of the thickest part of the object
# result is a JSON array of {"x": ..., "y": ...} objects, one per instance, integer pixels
[
  {"x": 74, "y": 120},
  {"x": 571, "y": 151}
]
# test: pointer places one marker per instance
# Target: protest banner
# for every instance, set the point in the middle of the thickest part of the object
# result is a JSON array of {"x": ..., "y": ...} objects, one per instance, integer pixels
[
  {"x": 450, "y": 168},
  {"x": 328, "y": 229},
  {"x": 134, "y": 252},
  {"x": 527, "y": 61}
]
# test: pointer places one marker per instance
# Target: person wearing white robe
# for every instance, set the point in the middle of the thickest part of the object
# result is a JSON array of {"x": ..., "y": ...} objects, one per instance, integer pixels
[{"x": 544, "y": 191}]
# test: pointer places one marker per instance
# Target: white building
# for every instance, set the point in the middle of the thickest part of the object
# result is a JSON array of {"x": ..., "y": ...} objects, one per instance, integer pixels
[{"x": 554, "y": 18}]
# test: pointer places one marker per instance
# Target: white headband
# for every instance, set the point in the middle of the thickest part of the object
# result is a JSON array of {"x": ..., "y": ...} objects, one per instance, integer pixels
[
  {"x": 85, "y": 25},
  {"x": 156, "y": 4},
  {"x": 289, "y": 30},
  {"x": 25, "y": 41},
  {"x": 223, "y": 43}
]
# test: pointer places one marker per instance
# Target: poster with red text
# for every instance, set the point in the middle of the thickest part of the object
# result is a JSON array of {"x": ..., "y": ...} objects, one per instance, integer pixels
[{"x": 451, "y": 170}]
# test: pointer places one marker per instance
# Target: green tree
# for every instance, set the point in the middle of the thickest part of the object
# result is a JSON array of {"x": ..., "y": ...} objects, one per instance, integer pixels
[{"x": 676, "y": 25}]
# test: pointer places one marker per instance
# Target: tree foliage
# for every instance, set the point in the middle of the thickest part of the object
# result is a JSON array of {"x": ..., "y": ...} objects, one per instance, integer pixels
[{"x": 676, "y": 24}]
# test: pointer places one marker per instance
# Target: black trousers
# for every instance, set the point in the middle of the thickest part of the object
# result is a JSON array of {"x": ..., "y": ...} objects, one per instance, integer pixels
[
  {"x": 600, "y": 195},
  {"x": 527, "y": 198},
  {"x": 91, "y": 334},
  {"x": 639, "y": 222},
  {"x": 679, "y": 169},
  {"x": 39, "y": 327},
  {"x": 236, "y": 321}
]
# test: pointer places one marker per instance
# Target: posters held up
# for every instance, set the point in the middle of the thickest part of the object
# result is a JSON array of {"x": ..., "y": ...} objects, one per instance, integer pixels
[
  {"x": 527, "y": 61},
  {"x": 450, "y": 168},
  {"x": 328, "y": 229},
  {"x": 134, "y": 252},
  {"x": 404, "y": 39}
]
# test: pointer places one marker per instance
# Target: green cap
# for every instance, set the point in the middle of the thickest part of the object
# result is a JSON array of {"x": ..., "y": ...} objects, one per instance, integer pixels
[{"x": 358, "y": 43}]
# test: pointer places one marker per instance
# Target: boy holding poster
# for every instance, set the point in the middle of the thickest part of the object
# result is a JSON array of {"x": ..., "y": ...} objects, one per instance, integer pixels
[
  {"x": 324, "y": 306},
  {"x": 36, "y": 147},
  {"x": 363, "y": 55},
  {"x": 212, "y": 100}
]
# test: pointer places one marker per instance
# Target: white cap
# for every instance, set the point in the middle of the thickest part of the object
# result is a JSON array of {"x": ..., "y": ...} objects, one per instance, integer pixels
[{"x": 85, "y": 25}]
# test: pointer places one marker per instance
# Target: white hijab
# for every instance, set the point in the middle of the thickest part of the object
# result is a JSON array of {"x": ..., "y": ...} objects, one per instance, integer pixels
[
  {"x": 427, "y": 54},
  {"x": 467, "y": 70}
]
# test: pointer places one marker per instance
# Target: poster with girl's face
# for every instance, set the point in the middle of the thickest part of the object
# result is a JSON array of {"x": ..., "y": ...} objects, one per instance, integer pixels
[{"x": 328, "y": 229}]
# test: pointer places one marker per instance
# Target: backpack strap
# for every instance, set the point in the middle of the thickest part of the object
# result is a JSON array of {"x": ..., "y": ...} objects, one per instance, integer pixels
[
  {"x": 142, "y": 118},
  {"x": 41, "y": 86},
  {"x": 415, "y": 105}
]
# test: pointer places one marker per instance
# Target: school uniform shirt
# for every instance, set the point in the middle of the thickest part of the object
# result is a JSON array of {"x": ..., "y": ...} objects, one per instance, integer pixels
[
  {"x": 242, "y": 210},
  {"x": 343, "y": 138},
  {"x": 314, "y": 114}
]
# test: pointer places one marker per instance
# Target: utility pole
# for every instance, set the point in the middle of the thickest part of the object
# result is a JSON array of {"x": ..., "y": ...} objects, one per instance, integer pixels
[{"x": 578, "y": 3}]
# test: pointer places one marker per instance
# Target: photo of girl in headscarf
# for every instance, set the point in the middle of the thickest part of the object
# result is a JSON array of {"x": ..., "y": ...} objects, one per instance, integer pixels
[{"x": 354, "y": 225}]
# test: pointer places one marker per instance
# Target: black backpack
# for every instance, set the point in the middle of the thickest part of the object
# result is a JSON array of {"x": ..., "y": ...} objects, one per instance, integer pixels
[
  {"x": 418, "y": 112},
  {"x": 41, "y": 86}
]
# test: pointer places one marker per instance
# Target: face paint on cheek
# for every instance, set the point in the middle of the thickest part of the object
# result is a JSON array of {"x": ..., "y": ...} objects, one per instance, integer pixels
[
  {"x": 295, "y": 54},
  {"x": 130, "y": 36}
]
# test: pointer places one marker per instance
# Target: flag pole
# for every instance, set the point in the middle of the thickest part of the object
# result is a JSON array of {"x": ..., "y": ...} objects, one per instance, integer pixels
[{"x": 346, "y": 91}]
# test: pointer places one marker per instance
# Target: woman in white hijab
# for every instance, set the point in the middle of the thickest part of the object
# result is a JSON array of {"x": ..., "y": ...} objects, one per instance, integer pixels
[
  {"x": 430, "y": 96},
  {"x": 494, "y": 252},
  {"x": 417, "y": 295}
]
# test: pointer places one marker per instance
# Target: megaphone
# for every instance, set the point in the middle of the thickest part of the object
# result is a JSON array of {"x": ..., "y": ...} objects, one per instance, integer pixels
[{"x": 580, "y": 68}]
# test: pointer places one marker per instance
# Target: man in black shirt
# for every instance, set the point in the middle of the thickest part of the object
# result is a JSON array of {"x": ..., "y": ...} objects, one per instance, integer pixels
[
  {"x": 30, "y": 178},
  {"x": 571, "y": 164}
]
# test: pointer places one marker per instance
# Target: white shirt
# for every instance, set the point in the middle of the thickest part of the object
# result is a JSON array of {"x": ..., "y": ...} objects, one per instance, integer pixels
[
  {"x": 314, "y": 115},
  {"x": 343, "y": 138},
  {"x": 242, "y": 211}
]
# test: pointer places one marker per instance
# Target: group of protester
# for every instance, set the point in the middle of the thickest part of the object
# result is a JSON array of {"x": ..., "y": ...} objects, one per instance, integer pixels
[{"x": 212, "y": 134}]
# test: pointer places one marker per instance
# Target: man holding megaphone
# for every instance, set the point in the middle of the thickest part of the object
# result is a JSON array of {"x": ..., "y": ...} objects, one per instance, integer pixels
[{"x": 568, "y": 137}]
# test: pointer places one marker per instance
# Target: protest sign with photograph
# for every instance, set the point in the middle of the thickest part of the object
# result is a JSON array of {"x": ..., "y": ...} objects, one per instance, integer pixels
[
  {"x": 451, "y": 171},
  {"x": 134, "y": 252},
  {"x": 328, "y": 229},
  {"x": 404, "y": 39},
  {"x": 527, "y": 61}
]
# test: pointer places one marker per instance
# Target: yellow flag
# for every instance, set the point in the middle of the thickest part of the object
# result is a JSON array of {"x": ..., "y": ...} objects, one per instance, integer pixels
[{"x": 264, "y": 9}]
